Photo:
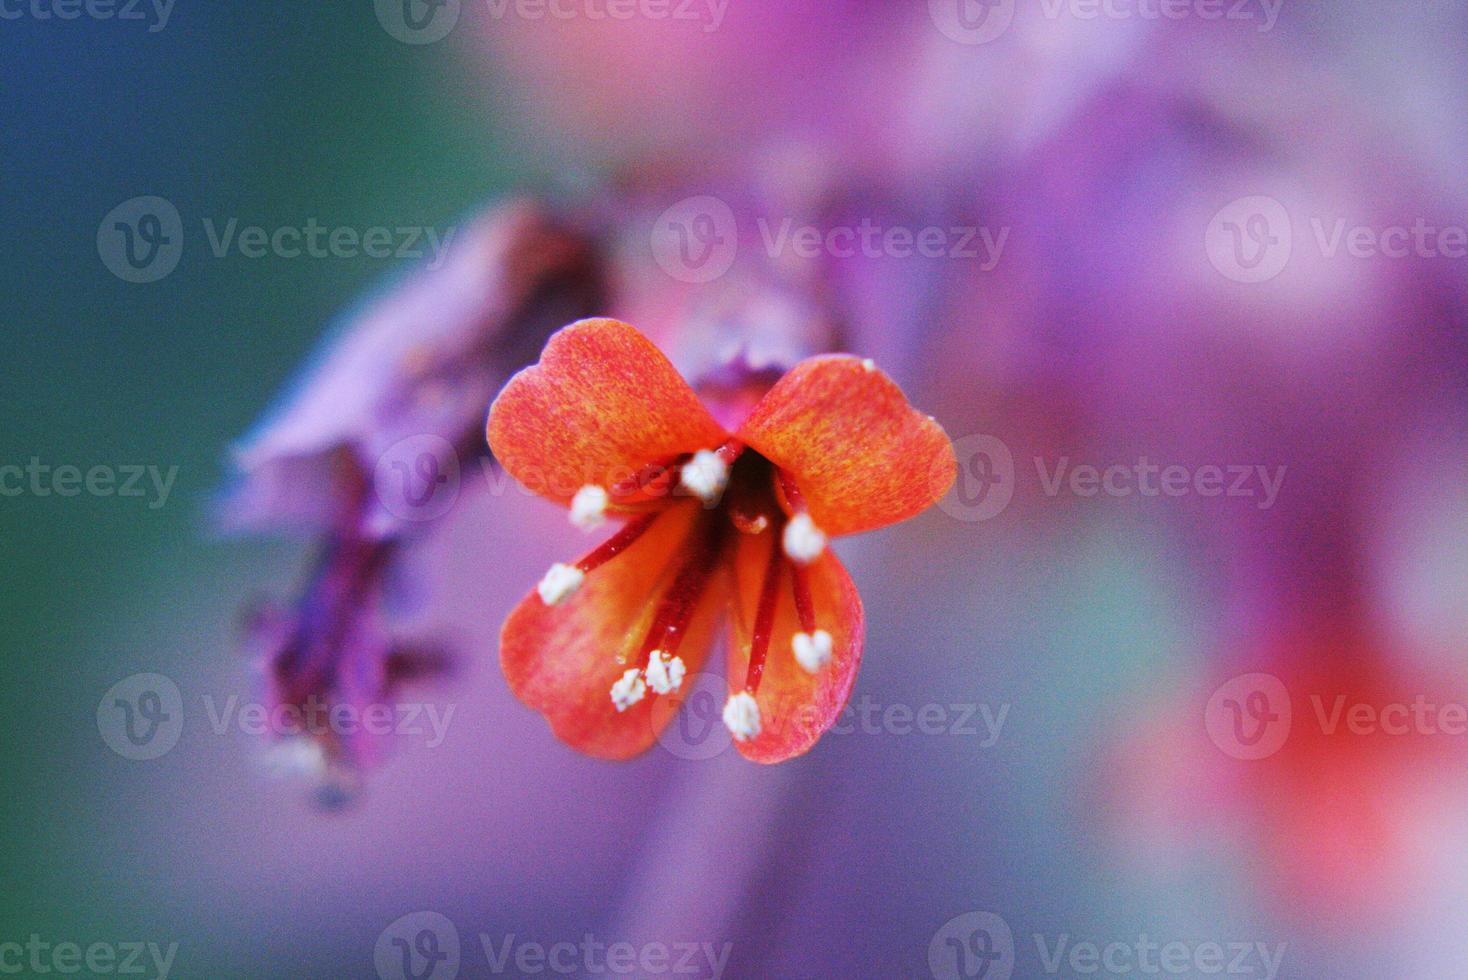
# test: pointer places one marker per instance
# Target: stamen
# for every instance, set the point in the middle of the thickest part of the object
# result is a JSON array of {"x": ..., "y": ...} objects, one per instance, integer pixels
[
  {"x": 589, "y": 507},
  {"x": 764, "y": 620},
  {"x": 670, "y": 622},
  {"x": 628, "y": 690},
  {"x": 619, "y": 542},
  {"x": 649, "y": 483},
  {"x": 741, "y": 716},
  {"x": 792, "y": 493},
  {"x": 664, "y": 673},
  {"x": 730, "y": 451},
  {"x": 560, "y": 583},
  {"x": 746, "y": 522},
  {"x": 705, "y": 476},
  {"x": 707, "y": 473},
  {"x": 805, "y": 606},
  {"x": 868, "y": 364},
  {"x": 802, "y": 540},
  {"x": 812, "y": 650},
  {"x": 812, "y": 647}
]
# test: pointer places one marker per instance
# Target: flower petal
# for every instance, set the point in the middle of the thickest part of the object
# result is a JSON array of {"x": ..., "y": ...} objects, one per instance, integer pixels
[
  {"x": 602, "y": 404},
  {"x": 796, "y": 707},
  {"x": 562, "y": 660},
  {"x": 862, "y": 456},
  {"x": 420, "y": 360}
]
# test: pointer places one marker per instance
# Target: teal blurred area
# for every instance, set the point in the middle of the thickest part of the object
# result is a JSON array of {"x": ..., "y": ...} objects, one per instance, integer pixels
[{"x": 268, "y": 114}]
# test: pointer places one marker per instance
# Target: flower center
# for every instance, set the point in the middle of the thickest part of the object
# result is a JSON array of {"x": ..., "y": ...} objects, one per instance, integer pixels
[{"x": 737, "y": 488}]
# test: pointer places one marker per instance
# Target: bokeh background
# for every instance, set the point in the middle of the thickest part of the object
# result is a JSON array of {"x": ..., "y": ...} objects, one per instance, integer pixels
[{"x": 1177, "y": 285}]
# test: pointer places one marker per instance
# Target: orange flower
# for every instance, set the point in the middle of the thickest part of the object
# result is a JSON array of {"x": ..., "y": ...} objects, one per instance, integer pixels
[{"x": 716, "y": 523}]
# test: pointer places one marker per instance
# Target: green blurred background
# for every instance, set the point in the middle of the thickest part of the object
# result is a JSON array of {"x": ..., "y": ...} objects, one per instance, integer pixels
[{"x": 269, "y": 115}]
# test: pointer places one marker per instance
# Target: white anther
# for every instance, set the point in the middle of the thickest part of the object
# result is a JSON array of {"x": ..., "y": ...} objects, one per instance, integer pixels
[
  {"x": 664, "y": 673},
  {"x": 741, "y": 716},
  {"x": 628, "y": 690},
  {"x": 812, "y": 650},
  {"x": 705, "y": 476},
  {"x": 560, "y": 583},
  {"x": 803, "y": 541},
  {"x": 589, "y": 507},
  {"x": 868, "y": 365}
]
